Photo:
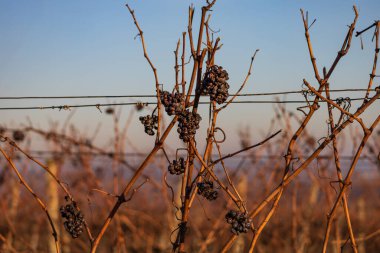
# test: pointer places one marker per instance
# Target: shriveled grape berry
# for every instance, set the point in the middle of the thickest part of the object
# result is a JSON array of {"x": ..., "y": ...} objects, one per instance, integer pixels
[
  {"x": 150, "y": 123},
  {"x": 18, "y": 135},
  {"x": 177, "y": 167},
  {"x": 173, "y": 102},
  {"x": 240, "y": 222},
  {"x": 110, "y": 110},
  {"x": 188, "y": 123},
  {"x": 215, "y": 84},
  {"x": 74, "y": 219},
  {"x": 206, "y": 189},
  {"x": 139, "y": 106}
]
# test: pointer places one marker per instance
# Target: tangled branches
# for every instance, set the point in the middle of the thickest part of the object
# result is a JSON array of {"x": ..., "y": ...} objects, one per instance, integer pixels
[{"x": 198, "y": 172}]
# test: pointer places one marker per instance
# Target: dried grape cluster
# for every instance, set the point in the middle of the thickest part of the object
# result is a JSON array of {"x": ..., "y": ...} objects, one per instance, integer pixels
[
  {"x": 215, "y": 84},
  {"x": 150, "y": 123},
  {"x": 74, "y": 219},
  {"x": 177, "y": 167},
  {"x": 18, "y": 135},
  {"x": 188, "y": 123},
  {"x": 206, "y": 189},
  {"x": 239, "y": 221},
  {"x": 173, "y": 102}
]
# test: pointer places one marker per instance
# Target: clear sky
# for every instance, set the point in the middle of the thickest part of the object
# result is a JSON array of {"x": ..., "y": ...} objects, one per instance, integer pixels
[{"x": 88, "y": 48}]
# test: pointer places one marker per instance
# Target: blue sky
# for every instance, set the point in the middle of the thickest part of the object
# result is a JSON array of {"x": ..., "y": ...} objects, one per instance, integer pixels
[{"x": 88, "y": 48}]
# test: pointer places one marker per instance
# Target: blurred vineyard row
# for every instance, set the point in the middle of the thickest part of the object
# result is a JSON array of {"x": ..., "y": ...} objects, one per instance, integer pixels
[{"x": 147, "y": 222}]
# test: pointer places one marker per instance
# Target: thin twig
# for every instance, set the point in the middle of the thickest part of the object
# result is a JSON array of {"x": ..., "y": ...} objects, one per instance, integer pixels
[{"x": 39, "y": 201}]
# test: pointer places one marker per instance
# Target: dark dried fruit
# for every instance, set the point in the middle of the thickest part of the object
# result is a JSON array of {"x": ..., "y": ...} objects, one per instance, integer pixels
[
  {"x": 2, "y": 130},
  {"x": 177, "y": 167},
  {"x": 188, "y": 123},
  {"x": 215, "y": 84},
  {"x": 206, "y": 189},
  {"x": 240, "y": 222},
  {"x": 18, "y": 135},
  {"x": 339, "y": 101},
  {"x": 74, "y": 219},
  {"x": 173, "y": 102},
  {"x": 139, "y": 106},
  {"x": 150, "y": 123},
  {"x": 110, "y": 110}
]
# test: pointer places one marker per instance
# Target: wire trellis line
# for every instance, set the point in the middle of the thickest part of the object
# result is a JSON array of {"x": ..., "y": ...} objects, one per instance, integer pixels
[
  {"x": 142, "y": 154},
  {"x": 153, "y": 96},
  {"x": 68, "y": 107}
]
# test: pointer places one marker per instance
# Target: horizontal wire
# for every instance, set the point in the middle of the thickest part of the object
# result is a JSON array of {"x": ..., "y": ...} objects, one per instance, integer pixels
[
  {"x": 153, "y": 96},
  {"x": 135, "y": 154},
  {"x": 68, "y": 107}
]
